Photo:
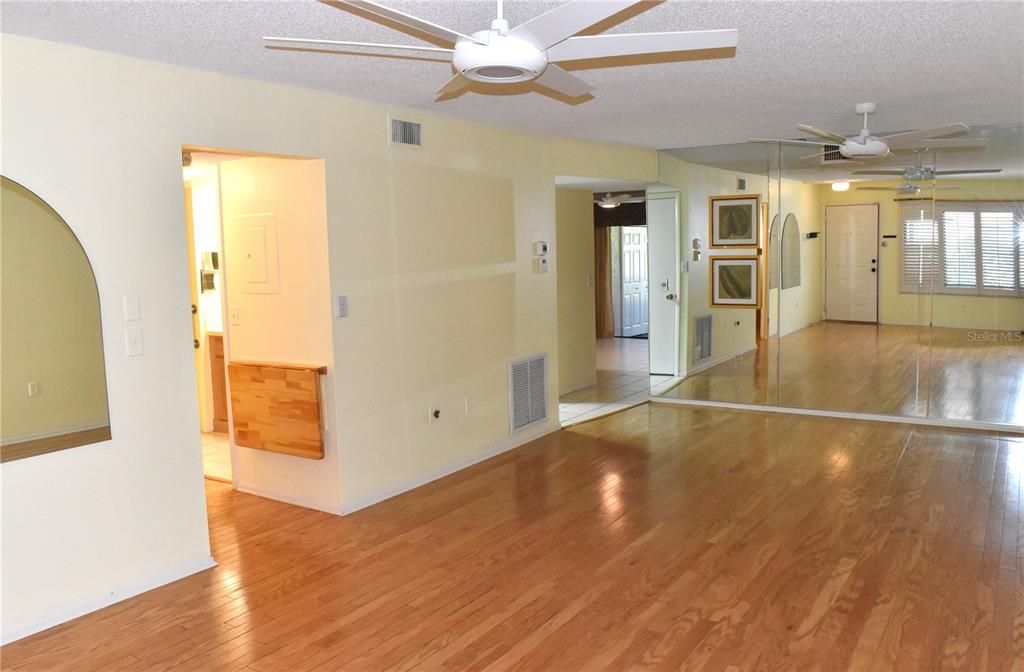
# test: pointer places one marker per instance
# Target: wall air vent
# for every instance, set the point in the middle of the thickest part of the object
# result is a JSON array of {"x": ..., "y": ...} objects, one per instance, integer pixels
[
  {"x": 527, "y": 392},
  {"x": 741, "y": 184},
  {"x": 405, "y": 133},
  {"x": 701, "y": 338},
  {"x": 830, "y": 154}
]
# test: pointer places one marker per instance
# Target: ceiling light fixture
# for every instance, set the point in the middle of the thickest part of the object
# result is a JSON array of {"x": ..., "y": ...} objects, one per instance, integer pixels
[{"x": 840, "y": 186}]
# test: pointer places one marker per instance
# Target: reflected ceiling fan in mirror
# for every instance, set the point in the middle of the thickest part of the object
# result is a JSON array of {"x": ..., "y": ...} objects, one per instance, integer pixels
[
  {"x": 529, "y": 52},
  {"x": 864, "y": 145},
  {"x": 908, "y": 188},
  {"x": 609, "y": 200}
]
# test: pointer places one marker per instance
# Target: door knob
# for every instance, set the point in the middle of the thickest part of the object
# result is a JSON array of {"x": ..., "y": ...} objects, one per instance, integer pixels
[
  {"x": 873, "y": 270},
  {"x": 670, "y": 297}
]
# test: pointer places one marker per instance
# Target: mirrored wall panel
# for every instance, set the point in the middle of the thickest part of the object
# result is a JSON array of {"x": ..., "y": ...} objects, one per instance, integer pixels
[{"x": 889, "y": 284}]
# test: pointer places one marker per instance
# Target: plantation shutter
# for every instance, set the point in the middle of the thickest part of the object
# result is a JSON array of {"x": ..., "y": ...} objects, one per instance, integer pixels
[
  {"x": 1000, "y": 250},
  {"x": 959, "y": 249},
  {"x": 919, "y": 251}
]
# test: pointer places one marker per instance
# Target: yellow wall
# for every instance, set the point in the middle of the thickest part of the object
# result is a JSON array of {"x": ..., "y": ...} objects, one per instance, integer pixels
[
  {"x": 428, "y": 323},
  {"x": 574, "y": 252},
  {"x": 894, "y": 307},
  {"x": 50, "y": 324}
]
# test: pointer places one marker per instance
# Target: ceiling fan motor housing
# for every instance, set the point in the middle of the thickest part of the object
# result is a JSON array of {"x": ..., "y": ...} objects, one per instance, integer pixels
[
  {"x": 870, "y": 148},
  {"x": 503, "y": 59}
]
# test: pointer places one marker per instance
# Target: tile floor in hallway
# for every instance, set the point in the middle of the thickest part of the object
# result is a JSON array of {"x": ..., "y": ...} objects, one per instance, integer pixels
[
  {"x": 216, "y": 456},
  {"x": 622, "y": 381}
]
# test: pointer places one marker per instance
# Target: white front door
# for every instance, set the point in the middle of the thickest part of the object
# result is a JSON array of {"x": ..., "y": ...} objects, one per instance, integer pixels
[
  {"x": 662, "y": 224},
  {"x": 851, "y": 263},
  {"x": 634, "y": 280}
]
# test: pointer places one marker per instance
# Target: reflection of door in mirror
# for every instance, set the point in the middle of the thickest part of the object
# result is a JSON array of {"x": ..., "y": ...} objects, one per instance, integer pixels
[
  {"x": 54, "y": 389},
  {"x": 790, "y": 250},
  {"x": 851, "y": 268},
  {"x": 634, "y": 281},
  {"x": 218, "y": 382}
]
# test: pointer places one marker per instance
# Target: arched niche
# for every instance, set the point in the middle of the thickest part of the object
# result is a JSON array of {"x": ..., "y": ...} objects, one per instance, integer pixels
[
  {"x": 54, "y": 387},
  {"x": 790, "y": 249}
]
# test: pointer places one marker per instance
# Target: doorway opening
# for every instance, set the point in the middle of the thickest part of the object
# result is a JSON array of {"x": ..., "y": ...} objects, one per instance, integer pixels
[
  {"x": 261, "y": 318},
  {"x": 618, "y": 294}
]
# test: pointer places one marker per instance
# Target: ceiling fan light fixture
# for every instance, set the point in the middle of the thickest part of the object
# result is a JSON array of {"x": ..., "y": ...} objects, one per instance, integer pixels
[
  {"x": 503, "y": 59},
  {"x": 610, "y": 205},
  {"x": 840, "y": 186}
]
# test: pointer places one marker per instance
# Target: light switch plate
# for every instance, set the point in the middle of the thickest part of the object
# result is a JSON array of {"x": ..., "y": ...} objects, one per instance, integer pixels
[
  {"x": 133, "y": 341},
  {"x": 132, "y": 308},
  {"x": 233, "y": 315},
  {"x": 341, "y": 306}
]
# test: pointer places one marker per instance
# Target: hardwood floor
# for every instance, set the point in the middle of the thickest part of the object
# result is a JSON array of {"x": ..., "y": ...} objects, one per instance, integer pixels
[
  {"x": 661, "y": 538},
  {"x": 957, "y": 374}
]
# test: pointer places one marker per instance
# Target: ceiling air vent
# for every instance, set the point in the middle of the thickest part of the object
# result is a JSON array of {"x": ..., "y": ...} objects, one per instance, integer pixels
[
  {"x": 405, "y": 133},
  {"x": 830, "y": 154},
  {"x": 527, "y": 391}
]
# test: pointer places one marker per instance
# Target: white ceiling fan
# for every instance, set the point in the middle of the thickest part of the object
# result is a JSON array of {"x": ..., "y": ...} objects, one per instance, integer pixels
[
  {"x": 919, "y": 171},
  {"x": 608, "y": 201},
  {"x": 907, "y": 187},
  {"x": 864, "y": 145},
  {"x": 529, "y": 52}
]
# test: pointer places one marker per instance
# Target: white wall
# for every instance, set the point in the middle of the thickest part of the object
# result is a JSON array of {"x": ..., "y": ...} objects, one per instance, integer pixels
[
  {"x": 289, "y": 322},
  {"x": 431, "y": 245}
]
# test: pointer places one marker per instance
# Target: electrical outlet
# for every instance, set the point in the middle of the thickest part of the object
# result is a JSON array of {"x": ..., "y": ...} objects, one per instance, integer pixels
[{"x": 433, "y": 413}]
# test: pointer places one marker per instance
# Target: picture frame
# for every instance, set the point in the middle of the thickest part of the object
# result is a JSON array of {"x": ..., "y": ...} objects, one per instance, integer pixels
[
  {"x": 734, "y": 221},
  {"x": 735, "y": 281}
]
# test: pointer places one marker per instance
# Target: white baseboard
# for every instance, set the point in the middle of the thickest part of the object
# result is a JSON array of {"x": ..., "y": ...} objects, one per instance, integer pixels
[
  {"x": 716, "y": 362},
  {"x": 287, "y": 498},
  {"x": 115, "y": 595},
  {"x": 485, "y": 454},
  {"x": 847, "y": 415}
]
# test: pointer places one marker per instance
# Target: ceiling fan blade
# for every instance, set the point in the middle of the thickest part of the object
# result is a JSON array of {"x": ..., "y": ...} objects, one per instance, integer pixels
[
  {"x": 605, "y": 46},
  {"x": 878, "y": 172},
  {"x": 911, "y": 138},
  {"x": 406, "y": 20},
  {"x": 955, "y": 143},
  {"x": 822, "y": 133},
  {"x": 792, "y": 142},
  {"x": 559, "y": 80},
  {"x": 943, "y": 188},
  {"x": 453, "y": 85},
  {"x": 566, "y": 20},
  {"x": 979, "y": 171},
  {"x": 878, "y": 188},
  {"x": 343, "y": 43}
]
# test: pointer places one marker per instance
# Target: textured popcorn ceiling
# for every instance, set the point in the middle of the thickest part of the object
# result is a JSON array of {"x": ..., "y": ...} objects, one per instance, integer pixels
[{"x": 925, "y": 63}]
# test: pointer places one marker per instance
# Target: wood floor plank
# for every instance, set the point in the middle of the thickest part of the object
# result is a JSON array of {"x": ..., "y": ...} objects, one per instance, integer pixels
[{"x": 662, "y": 538}]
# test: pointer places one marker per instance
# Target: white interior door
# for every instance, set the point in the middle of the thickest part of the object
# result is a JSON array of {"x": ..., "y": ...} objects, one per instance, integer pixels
[
  {"x": 662, "y": 225},
  {"x": 851, "y": 263},
  {"x": 634, "y": 281}
]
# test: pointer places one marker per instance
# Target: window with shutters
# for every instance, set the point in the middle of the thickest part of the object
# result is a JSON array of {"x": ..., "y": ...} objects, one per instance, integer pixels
[{"x": 967, "y": 248}]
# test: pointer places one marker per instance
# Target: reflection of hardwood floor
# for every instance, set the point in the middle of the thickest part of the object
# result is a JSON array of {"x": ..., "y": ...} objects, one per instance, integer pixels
[
  {"x": 957, "y": 374},
  {"x": 661, "y": 538}
]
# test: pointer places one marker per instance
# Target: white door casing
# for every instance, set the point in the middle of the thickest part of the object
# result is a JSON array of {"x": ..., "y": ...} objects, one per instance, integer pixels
[
  {"x": 851, "y": 268},
  {"x": 663, "y": 275},
  {"x": 634, "y": 281}
]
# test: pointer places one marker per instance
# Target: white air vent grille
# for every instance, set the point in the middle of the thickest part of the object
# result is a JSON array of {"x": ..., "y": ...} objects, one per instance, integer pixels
[
  {"x": 527, "y": 394},
  {"x": 831, "y": 154},
  {"x": 701, "y": 338},
  {"x": 405, "y": 133}
]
